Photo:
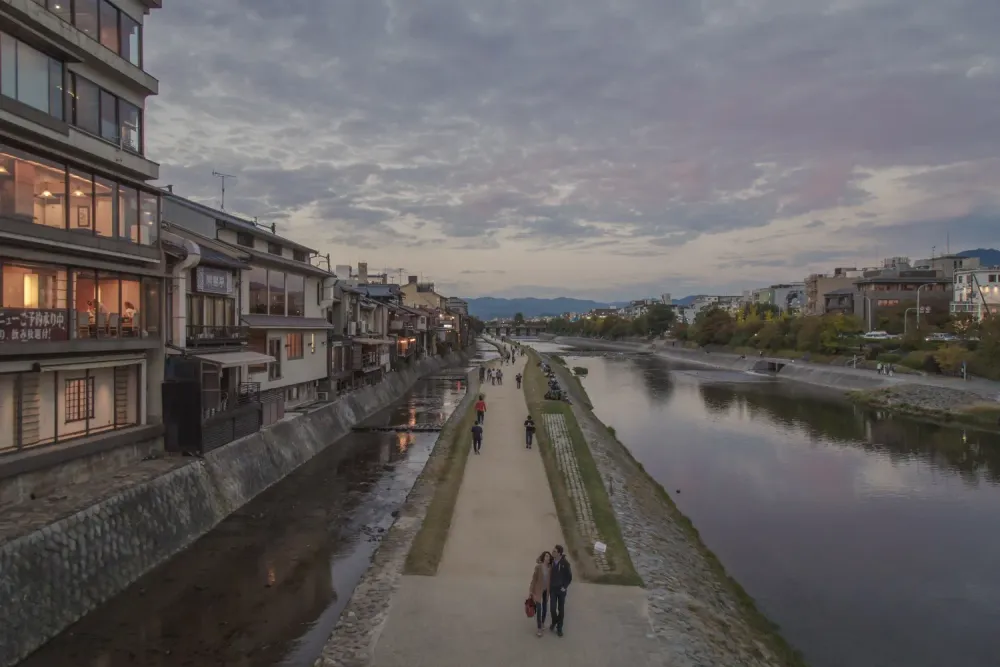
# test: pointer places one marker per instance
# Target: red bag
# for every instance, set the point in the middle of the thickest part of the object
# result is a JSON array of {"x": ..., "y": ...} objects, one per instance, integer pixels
[{"x": 529, "y": 607}]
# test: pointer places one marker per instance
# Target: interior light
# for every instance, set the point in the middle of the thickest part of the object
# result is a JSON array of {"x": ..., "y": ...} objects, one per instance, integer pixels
[
  {"x": 3, "y": 170},
  {"x": 78, "y": 193},
  {"x": 46, "y": 193}
]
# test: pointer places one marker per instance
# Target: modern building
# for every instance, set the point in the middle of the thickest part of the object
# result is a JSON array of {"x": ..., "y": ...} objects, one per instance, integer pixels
[
  {"x": 948, "y": 265},
  {"x": 818, "y": 285},
  {"x": 894, "y": 286},
  {"x": 976, "y": 292},
  {"x": 786, "y": 297},
  {"x": 81, "y": 265}
]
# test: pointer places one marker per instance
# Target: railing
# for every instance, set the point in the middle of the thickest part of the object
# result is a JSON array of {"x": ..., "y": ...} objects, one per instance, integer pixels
[
  {"x": 203, "y": 334},
  {"x": 246, "y": 393}
]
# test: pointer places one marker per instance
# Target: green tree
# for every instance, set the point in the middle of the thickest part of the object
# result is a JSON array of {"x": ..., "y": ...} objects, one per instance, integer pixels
[
  {"x": 518, "y": 318},
  {"x": 660, "y": 319},
  {"x": 714, "y": 326}
]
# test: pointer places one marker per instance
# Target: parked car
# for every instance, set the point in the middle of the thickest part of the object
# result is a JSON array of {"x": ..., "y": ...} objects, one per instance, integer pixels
[
  {"x": 877, "y": 335},
  {"x": 942, "y": 337}
]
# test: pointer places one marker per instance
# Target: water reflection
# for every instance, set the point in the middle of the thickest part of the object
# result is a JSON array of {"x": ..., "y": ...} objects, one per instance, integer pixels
[{"x": 867, "y": 537}]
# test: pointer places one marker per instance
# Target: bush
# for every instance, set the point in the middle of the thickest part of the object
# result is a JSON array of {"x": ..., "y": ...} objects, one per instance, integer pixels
[
  {"x": 950, "y": 358},
  {"x": 889, "y": 358},
  {"x": 580, "y": 370},
  {"x": 915, "y": 360},
  {"x": 931, "y": 364}
]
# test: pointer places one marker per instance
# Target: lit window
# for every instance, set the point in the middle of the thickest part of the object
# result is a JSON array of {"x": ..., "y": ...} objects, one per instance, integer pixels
[{"x": 79, "y": 399}]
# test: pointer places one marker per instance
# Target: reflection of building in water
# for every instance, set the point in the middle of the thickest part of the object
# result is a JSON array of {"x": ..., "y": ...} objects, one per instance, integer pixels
[{"x": 404, "y": 441}]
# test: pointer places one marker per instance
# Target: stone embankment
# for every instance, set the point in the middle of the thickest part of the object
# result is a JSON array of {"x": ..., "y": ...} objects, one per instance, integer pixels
[
  {"x": 703, "y": 616},
  {"x": 60, "y": 561},
  {"x": 912, "y": 394}
]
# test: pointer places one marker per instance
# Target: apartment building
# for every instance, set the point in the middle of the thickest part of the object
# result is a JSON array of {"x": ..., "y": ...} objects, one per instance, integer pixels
[
  {"x": 897, "y": 285},
  {"x": 976, "y": 292},
  {"x": 818, "y": 285},
  {"x": 81, "y": 264}
]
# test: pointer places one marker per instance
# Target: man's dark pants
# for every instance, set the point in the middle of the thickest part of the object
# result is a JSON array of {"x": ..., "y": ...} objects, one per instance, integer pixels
[
  {"x": 480, "y": 416},
  {"x": 557, "y": 607},
  {"x": 477, "y": 444},
  {"x": 527, "y": 438}
]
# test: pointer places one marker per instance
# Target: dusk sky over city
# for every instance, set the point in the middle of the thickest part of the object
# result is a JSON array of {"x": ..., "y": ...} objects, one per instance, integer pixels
[{"x": 608, "y": 149}]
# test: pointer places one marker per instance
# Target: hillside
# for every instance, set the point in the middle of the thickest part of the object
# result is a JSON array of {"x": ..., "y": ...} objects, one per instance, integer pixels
[
  {"x": 488, "y": 307},
  {"x": 987, "y": 256}
]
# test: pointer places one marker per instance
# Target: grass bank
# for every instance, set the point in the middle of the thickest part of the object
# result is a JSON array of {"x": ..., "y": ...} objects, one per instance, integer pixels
[
  {"x": 622, "y": 570},
  {"x": 445, "y": 469},
  {"x": 983, "y": 415}
]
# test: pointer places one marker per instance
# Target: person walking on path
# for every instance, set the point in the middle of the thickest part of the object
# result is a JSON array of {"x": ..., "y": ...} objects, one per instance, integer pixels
[
  {"x": 529, "y": 431},
  {"x": 482, "y": 374},
  {"x": 481, "y": 409},
  {"x": 539, "y": 588},
  {"x": 477, "y": 437},
  {"x": 559, "y": 581},
  {"x": 500, "y": 377},
  {"x": 517, "y": 378}
]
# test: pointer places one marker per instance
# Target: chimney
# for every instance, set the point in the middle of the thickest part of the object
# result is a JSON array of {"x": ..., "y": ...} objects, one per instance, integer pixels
[
  {"x": 363, "y": 272},
  {"x": 412, "y": 280}
]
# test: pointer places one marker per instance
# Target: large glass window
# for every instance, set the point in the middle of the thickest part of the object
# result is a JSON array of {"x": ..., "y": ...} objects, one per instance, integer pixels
[
  {"x": 150, "y": 307},
  {"x": 81, "y": 201},
  {"x": 258, "y": 291},
  {"x": 109, "y": 312},
  {"x": 33, "y": 286},
  {"x": 109, "y": 117},
  {"x": 296, "y": 296},
  {"x": 105, "y": 204},
  {"x": 128, "y": 213},
  {"x": 32, "y": 189},
  {"x": 86, "y": 105},
  {"x": 149, "y": 217},
  {"x": 128, "y": 115},
  {"x": 109, "y": 26},
  {"x": 30, "y": 76},
  {"x": 276, "y": 292},
  {"x": 85, "y": 15},
  {"x": 62, "y": 9},
  {"x": 85, "y": 308},
  {"x": 131, "y": 45},
  {"x": 131, "y": 301}
]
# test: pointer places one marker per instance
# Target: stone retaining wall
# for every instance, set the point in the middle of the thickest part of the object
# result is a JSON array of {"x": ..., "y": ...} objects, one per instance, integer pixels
[{"x": 53, "y": 576}]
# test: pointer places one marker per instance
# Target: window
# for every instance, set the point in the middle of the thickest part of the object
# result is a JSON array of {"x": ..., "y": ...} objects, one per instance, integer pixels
[
  {"x": 274, "y": 249},
  {"x": 105, "y": 207},
  {"x": 276, "y": 292},
  {"x": 150, "y": 308},
  {"x": 30, "y": 286},
  {"x": 300, "y": 255},
  {"x": 274, "y": 350},
  {"x": 129, "y": 116},
  {"x": 131, "y": 40},
  {"x": 79, "y": 399},
  {"x": 85, "y": 16},
  {"x": 109, "y": 117},
  {"x": 61, "y": 8},
  {"x": 86, "y": 105},
  {"x": 244, "y": 239},
  {"x": 31, "y": 77},
  {"x": 258, "y": 291},
  {"x": 149, "y": 218},
  {"x": 109, "y": 26},
  {"x": 991, "y": 278},
  {"x": 32, "y": 189},
  {"x": 81, "y": 201},
  {"x": 294, "y": 345},
  {"x": 296, "y": 296},
  {"x": 128, "y": 213}
]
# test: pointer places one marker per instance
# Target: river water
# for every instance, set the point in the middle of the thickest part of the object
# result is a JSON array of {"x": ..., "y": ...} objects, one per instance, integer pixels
[
  {"x": 265, "y": 587},
  {"x": 872, "y": 540}
]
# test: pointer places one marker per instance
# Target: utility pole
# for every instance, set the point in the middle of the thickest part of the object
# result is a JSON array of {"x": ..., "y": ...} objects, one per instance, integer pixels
[{"x": 220, "y": 175}]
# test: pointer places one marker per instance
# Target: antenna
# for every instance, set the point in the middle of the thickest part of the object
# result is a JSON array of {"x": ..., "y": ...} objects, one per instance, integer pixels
[
  {"x": 948, "y": 242},
  {"x": 219, "y": 174}
]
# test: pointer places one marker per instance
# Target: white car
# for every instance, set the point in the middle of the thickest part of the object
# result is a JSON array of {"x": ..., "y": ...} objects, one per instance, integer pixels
[{"x": 877, "y": 335}]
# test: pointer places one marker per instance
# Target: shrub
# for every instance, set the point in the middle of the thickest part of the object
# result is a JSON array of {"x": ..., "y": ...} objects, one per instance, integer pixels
[
  {"x": 889, "y": 358},
  {"x": 950, "y": 358},
  {"x": 931, "y": 364},
  {"x": 915, "y": 360},
  {"x": 580, "y": 370}
]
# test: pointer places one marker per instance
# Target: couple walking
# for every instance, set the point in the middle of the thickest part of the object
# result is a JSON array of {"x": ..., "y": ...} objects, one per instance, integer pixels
[{"x": 549, "y": 583}]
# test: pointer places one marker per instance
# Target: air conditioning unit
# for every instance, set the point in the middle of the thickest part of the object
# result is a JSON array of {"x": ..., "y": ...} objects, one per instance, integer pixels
[{"x": 322, "y": 396}]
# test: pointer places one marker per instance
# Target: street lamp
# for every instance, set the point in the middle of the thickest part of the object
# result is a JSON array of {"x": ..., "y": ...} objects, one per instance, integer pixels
[
  {"x": 868, "y": 311},
  {"x": 918, "y": 301},
  {"x": 906, "y": 315}
]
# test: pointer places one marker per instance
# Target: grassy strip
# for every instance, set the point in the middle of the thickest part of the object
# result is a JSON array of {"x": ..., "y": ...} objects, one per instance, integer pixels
[
  {"x": 986, "y": 416},
  {"x": 768, "y": 631},
  {"x": 445, "y": 469},
  {"x": 622, "y": 571}
]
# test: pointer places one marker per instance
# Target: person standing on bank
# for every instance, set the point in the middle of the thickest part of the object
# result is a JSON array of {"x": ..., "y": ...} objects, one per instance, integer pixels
[
  {"x": 517, "y": 378},
  {"x": 539, "y": 590},
  {"x": 477, "y": 437},
  {"x": 481, "y": 410},
  {"x": 529, "y": 431},
  {"x": 559, "y": 580}
]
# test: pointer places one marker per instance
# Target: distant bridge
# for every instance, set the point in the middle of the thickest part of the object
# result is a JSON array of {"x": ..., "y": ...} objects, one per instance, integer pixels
[{"x": 526, "y": 329}]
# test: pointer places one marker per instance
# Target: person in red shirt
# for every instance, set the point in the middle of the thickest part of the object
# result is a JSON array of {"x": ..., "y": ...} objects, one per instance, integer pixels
[{"x": 480, "y": 410}]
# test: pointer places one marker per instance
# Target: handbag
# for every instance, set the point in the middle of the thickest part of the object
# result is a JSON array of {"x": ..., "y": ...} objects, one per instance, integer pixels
[{"x": 529, "y": 607}]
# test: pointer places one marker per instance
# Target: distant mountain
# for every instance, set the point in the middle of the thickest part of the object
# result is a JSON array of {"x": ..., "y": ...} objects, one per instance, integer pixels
[
  {"x": 489, "y": 308},
  {"x": 987, "y": 256},
  {"x": 686, "y": 301}
]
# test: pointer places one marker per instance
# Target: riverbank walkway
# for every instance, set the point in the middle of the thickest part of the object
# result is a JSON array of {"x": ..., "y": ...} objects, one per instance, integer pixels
[{"x": 472, "y": 611}]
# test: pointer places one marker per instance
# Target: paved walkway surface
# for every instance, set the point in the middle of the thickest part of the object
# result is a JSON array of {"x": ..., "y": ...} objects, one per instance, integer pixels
[{"x": 472, "y": 612}]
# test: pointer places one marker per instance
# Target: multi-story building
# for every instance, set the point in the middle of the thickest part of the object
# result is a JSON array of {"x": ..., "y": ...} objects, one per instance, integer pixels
[
  {"x": 818, "y": 285},
  {"x": 786, "y": 297},
  {"x": 894, "y": 286},
  {"x": 948, "y": 265},
  {"x": 274, "y": 308},
  {"x": 81, "y": 266},
  {"x": 976, "y": 292},
  {"x": 456, "y": 305}
]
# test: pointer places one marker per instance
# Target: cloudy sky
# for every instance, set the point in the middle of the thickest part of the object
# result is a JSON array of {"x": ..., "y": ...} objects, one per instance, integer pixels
[{"x": 604, "y": 148}]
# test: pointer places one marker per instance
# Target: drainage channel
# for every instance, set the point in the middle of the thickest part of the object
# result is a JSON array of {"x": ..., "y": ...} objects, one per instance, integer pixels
[{"x": 266, "y": 586}]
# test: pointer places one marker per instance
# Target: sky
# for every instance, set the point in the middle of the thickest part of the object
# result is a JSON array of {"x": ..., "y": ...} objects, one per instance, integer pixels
[{"x": 609, "y": 149}]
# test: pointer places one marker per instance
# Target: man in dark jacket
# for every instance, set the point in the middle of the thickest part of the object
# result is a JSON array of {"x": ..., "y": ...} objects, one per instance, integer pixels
[{"x": 559, "y": 580}]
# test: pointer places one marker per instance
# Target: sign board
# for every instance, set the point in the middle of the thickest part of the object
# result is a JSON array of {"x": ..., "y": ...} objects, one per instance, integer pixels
[
  {"x": 213, "y": 281},
  {"x": 26, "y": 325}
]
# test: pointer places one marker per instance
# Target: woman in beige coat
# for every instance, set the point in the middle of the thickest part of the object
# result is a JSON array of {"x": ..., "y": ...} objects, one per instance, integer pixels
[{"x": 539, "y": 590}]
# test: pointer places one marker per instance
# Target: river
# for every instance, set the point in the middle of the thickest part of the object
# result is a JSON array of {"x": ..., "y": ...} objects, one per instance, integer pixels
[
  {"x": 872, "y": 540},
  {"x": 266, "y": 587}
]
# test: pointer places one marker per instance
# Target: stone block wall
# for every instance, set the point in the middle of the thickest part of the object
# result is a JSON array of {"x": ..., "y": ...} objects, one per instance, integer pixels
[{"x": 52, "y": 577}]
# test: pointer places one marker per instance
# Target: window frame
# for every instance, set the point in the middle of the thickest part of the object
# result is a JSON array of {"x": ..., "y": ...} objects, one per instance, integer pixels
[
  {"x": 98, "y": 130},
  {"x": 295, "y": 346},
  {"x": 242, "y": 237},
  {"x": 274, "y": 248},
  {"x": 83, "y": 402},
  {"x": 51, "y": 64}
]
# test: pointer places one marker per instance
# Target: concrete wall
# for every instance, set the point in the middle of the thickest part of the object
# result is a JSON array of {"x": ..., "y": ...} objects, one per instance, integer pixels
[{"x": 54, "y": 576}]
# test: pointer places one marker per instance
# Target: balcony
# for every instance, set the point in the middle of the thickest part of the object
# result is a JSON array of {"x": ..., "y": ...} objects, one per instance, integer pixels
[{"x": 203, "y": 335}]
